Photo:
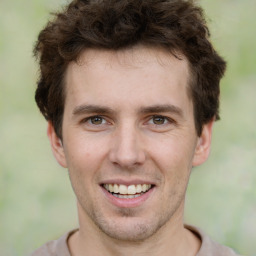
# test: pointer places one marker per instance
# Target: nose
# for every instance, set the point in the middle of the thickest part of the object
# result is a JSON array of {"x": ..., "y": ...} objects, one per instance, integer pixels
[{"x": 127, "y": 147}]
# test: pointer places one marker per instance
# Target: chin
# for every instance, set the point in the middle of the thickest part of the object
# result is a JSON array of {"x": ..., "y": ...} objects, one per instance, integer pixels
[
  {"x": 130, "y": 229},
  {"x": 135, "y": 232}
]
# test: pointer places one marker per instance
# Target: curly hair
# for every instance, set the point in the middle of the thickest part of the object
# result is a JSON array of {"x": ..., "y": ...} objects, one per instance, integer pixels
[{"x": 175, "y": 25}]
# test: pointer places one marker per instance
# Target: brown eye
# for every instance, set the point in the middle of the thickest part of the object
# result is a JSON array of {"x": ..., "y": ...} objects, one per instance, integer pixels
[
  {"x": 158, "y": 120},
  {"x": 96, "y": 120}
]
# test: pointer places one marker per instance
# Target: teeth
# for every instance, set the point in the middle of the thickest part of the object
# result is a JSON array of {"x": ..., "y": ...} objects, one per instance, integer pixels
[
  {"x": 131, "y": 190},
  {"x": 139, "y": 188},
  {"x": 111, "y": 188},
  {"x": 123, "y": 191},
  {"x": 144, "y": 187},
  {"x": 127, "y": 196},
  {"x": 116, "y": 189}
]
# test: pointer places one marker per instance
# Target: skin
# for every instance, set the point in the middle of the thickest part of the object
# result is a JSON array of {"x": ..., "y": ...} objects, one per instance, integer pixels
[{"x": 142, "y": 131}]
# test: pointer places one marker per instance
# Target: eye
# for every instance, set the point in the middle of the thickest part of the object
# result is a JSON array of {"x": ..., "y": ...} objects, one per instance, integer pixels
[
  {"x": 95, "y": 120},
  {"x": 159, "y": 120}
]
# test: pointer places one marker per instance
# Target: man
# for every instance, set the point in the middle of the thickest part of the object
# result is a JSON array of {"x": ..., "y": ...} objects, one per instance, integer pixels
[{"x": 130, "y": 90}]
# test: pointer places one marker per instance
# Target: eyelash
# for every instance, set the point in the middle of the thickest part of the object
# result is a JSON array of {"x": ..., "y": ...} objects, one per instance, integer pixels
[
  {"x": 165, "y": 119},
  {"x": 150, "y": 120},
  {"x": 90, "y": 118}
]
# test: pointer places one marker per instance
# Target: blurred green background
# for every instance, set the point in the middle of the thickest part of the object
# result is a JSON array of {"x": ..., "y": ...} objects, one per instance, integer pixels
[{"x": 36, "y": 200}]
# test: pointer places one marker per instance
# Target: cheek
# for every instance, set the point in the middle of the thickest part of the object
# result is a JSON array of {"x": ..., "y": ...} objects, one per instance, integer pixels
[
  {"x": 85, "y": 154},
  {"x": 174, "y": 161},
  {"x": 173, "y": 156}
]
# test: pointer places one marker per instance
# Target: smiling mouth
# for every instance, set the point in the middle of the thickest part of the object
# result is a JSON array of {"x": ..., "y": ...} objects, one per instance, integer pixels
[{"x": 127, "y": 192}]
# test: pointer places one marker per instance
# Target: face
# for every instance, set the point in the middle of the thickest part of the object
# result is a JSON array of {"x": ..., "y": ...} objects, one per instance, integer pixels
[{"x": 129, "y": 140}]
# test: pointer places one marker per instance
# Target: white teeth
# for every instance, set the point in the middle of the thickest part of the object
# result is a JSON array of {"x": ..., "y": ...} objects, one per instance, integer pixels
[
  {"x": 139, "y": 188},
  {"x": 123, "y": 190},
  {"x": 127, "y": 196},
  {"x": 116, "y": 189},
  {"x": 111, "y": 188},
  {"x": 127, "y": 191},
  {"x": 131, "y": 190}
]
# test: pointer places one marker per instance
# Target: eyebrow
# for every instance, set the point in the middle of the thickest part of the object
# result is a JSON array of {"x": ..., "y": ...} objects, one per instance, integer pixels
[
  {"x": 85, "y": 109},
  {"x": 166, "y": 108},
  {"x": 97, "y": 109}
]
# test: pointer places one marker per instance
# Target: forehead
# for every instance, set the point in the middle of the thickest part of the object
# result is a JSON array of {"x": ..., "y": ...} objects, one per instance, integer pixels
[
  {"x": 141, "y": 74},
  {"x": 138, "y": 56}
]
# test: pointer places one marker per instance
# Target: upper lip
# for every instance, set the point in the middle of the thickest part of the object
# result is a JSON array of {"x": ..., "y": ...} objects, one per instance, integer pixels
[{"x": 127, "y": 182}]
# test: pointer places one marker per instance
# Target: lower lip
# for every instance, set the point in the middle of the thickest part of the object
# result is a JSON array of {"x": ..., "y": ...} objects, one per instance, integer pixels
[{"x": 128, "y": 202}]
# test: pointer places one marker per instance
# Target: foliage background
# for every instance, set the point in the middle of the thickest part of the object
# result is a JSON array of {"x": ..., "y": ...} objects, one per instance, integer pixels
[{"x": 36, "y": 200}]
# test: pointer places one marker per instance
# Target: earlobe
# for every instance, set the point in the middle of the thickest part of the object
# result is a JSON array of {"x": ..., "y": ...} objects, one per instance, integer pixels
[
  {"x": 56, "y": 145},
  {"x": 203, "y": 146}
]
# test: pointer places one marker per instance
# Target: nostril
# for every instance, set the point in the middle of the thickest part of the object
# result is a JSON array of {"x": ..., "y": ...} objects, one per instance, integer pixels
[
  {"x": 127, "y": 159},
  {"x": 126, "y": 149}
]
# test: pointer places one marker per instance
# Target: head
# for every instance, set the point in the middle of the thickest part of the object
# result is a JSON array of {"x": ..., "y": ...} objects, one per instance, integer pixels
[
  {"x": 177, "y": 26},
  {"x": 131, "y": 89}
]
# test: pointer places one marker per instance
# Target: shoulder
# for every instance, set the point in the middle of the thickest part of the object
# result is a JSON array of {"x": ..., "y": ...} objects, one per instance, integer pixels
[
  {"x": 58, "y": 247},
  {"x": 210, "y": 247}
]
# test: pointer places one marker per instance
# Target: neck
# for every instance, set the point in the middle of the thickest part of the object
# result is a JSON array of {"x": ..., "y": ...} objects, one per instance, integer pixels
[{"x": 171, "y": 239}]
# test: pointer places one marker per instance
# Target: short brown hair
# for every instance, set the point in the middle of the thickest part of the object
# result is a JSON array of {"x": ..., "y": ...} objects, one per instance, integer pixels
[{"x": 175, "y": 25}]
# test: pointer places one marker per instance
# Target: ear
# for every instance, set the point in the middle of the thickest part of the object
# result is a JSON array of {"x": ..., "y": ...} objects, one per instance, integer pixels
[
  {"x": 203, "y": 146},
  {"x": 56, "y": 145}
]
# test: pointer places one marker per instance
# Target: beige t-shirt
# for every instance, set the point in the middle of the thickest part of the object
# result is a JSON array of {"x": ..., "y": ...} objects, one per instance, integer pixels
[{"x": 208, "y": 248}]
